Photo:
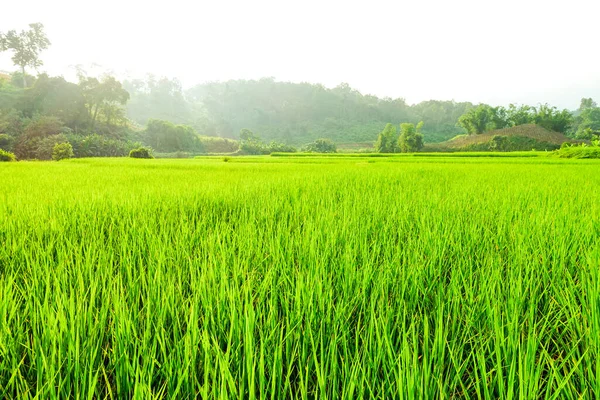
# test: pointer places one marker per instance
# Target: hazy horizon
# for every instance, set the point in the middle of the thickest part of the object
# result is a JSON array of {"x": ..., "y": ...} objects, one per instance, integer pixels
[{"x": 525, "y": 52}]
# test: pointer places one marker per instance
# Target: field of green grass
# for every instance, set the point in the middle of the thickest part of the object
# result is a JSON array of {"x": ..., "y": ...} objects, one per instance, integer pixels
[{"x": 300, "y": 277}]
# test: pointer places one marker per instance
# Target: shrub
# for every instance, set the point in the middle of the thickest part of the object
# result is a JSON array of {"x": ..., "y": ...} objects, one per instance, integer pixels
[
  {"x": 45, "y": 146},
  {"x": 62, "y": 151},
  {"x": 321, "y": 146},
  {"x": 582, "y": 151},
  {"x": 7, "y": 156},
  {"x": 498, "y": 143},
  {"x": 141, "y": 152},
  {"x": 219, "y": 145},
  {"x": 276, "y": 147},
  {"x": 100, "y": 146}
]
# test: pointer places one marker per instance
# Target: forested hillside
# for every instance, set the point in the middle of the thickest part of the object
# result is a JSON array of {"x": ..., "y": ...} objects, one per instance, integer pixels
[{"x": 293, "y": 113}]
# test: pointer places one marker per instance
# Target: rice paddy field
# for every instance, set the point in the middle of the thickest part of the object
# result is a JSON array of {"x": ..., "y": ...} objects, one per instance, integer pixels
[{"x": 300, "y": 278}]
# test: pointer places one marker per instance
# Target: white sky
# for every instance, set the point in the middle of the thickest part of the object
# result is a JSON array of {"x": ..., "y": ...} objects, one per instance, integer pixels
[{"x": 523, "y": 51}]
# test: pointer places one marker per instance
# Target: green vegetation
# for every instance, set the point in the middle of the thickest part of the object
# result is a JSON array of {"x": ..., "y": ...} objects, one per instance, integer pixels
[
  {"x": 581, "y": 151},
  {"x": 7, "y": 156},
  {"x": 410, "y": 139},
  {"x": 300, "y": 277},
  {"x": 142, "y": 152},
  {"x": 517, "y": 138},
  {"x": 320, "y": 146},
  {"x": 484, "y": 118},
  {"x": 62, "y": 151}
]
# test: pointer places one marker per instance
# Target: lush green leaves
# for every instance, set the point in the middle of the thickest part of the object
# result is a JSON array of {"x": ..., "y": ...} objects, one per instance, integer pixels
[
  {"x": 411, "y": 139},
  {"x": 62, "y": 151},
  {"x": 387, "y": 140}
]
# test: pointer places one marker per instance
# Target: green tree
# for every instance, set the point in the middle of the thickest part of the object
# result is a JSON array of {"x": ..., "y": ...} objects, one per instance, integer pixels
[
  {"x": 321, "y": 146},
  {"x": 589, "y": 125},
  {"x": 28, "y": 143},
  {"x": 26, "y": 47},
  {"x": 476, "y": 119},
  {"x": 103, "y": 97},
  {"x": 164, "y": 136},
  {"x": 250, "y": 143},
  {"x": 519, "y": 115},
  {"x": 411, "y": 139},
  {"x": 587, "y": 103},
  {"x": 62, "y": 151},
  {"x": 553, "y": 119},
  {"x": 386, "y": 141}
]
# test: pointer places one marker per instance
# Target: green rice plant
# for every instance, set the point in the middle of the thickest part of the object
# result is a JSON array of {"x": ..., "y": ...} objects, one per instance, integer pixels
[{"x": 282, "y": 277}]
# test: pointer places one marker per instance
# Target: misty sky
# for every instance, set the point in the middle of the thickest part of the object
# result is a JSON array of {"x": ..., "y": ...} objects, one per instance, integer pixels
[{"x": 523, "y": 51}]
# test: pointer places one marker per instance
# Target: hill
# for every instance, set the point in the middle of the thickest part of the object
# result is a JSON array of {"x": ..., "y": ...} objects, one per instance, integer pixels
[
  {"x": 292, "y": 113},
  {"x": 517, "y": 138}
]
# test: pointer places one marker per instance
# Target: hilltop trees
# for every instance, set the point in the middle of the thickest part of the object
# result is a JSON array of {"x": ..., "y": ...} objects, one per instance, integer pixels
[
  {"x": 484, "y": 118},
  {"x": 552, "y": 118},
  {"x": 26, "y": 47},
  {"x": 475, "y": 120}
]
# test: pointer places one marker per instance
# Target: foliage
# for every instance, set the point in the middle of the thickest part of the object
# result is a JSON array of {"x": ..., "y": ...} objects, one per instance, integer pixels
[
  {"x": 553, "y": 119},
  {"x": 386, "y": 141},
  {"x": 45, "y": 146},
  {"x": 581, "y": 151},
  {"x": 104, "y": 99},
  {"x": 166, "y": 137},
  {"x": 499, "y": 143},
  {"x": 6, "y": 141},
  {"x": 275, "y": 147},
  {"x": 25, "y": 46},
  {"x": 141, "y": 152},
  {"x": 411, "y": 139},
  {"x": 588, "y": 123},
  {"x": 36, "y": 137},
  {"x": 251, "y": 143},
  {"x": 161, "y": 99},
  {"x": 219, "y": 145},
  {"x": 296, "y": 113},
  {"x": 484, "y": 118},
  {"x": 62, "y": 151},
  {"x": 100, "y": 146},
  {"x": 7, "y": 156},
  {"x": 321, "y": 146}
]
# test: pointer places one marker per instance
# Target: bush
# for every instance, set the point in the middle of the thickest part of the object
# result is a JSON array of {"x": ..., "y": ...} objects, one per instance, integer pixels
[
  {"x": 45, "y": 146},
  {"x": 141, "y": 152},
  {"x": 276, "y": 147},
  {"x": 7, "y": 156},
  {"x": 100, "y": 146},
  {"x": 582, "y": 151},
  {"x": 321, "y": 146},
  {"x": 219, "y": 145},
  {"x": 62, "y": 151}
]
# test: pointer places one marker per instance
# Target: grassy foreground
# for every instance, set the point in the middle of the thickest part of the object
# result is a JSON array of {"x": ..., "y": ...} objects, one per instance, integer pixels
[{"x": 273, "y": 278}]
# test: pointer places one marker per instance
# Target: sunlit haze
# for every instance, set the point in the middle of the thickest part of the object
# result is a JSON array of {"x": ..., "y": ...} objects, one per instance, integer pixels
[{"x": 519, "y": 51}]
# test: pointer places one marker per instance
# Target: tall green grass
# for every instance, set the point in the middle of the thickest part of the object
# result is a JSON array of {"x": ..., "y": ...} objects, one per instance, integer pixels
[{"x": 344, "y": 280}]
